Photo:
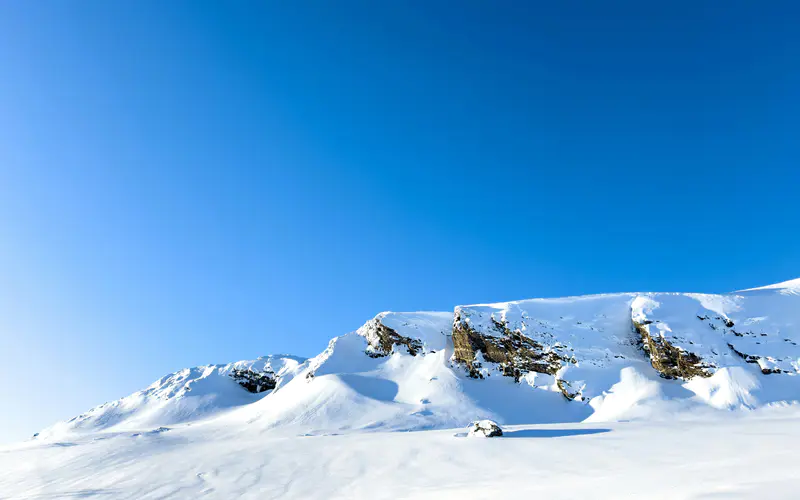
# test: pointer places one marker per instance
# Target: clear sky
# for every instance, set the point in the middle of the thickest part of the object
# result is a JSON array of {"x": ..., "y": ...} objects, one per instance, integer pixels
[{"x": 192, "y": 182}]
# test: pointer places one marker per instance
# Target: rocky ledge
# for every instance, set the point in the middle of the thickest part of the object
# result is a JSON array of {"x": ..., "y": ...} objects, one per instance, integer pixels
[
  {"x": 514, "y": 353},
  {"x": 381, "y": 340},
  {"x": 670, "y": 361}
]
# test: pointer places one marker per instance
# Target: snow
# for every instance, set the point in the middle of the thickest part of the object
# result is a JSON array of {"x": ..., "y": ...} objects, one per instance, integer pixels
[
  {"x": 356, "y": 421},
  {"x": 189, "y": 394},
  {"x": 784, "y": 285},
  {"x": 738, "y": 456},
  {"x": 432, "y": 328}
]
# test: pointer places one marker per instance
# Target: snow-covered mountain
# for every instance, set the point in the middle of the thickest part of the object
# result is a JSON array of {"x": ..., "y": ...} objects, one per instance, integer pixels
[
  {"x": 594, "y": 358},
  {"x": 186, "y": 395},
  {"x": 662, "y": 395}
]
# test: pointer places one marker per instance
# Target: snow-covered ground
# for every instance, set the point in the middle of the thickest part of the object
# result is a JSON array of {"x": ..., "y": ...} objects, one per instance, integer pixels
[
  {"x": 736, "y": 456},
  {"x": 619, "y": 395}
]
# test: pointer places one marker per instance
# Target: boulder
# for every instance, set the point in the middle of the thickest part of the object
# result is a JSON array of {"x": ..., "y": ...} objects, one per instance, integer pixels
[{"x": 484, "y": 428}]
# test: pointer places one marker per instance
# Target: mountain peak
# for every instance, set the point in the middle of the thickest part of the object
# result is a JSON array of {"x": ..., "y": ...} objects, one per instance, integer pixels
[{"x": 790, "y": 285}]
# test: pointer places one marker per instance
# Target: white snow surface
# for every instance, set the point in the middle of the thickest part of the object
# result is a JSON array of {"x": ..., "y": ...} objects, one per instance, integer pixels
[
  {"x": 731, "y": 456},
  {"x": 330, "y": 427},
  {"x": 790, "y": 285}
]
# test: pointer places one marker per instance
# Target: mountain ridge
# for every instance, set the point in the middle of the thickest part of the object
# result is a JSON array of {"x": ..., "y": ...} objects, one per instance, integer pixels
[{"x": 601, "y": 357}]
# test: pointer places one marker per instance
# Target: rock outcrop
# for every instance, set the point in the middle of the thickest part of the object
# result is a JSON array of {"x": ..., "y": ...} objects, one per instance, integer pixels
[
  {"x": 671, "y": 362},
  {"x": 757, "y": 360},
  {"x": 254, "y": 381},
  {"x": 722, "y": 330},
  {"x": 515, "y": 353},
  {"x": 381, "y": 340}
]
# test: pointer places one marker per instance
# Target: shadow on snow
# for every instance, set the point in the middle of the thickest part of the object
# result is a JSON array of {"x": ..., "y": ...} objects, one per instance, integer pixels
[{"x": 551, "y": 433}]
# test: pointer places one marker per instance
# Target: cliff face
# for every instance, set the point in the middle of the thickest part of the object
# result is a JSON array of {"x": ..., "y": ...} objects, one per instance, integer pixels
[
  {"x": 695, "y": 335},
  {"x": 671, "y": 362},
  {"x": 514, "y": 353},
  {"x": 556, "y": 345},
  {"x": 381, "y": 340},
  {"x": 681, "y": 336}
]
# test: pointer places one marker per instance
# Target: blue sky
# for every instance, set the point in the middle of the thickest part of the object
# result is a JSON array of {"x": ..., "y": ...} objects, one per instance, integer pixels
[{"x": 185, "y": 183}]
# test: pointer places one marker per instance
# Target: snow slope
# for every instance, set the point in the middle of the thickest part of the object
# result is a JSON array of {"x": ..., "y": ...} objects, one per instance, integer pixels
[
  {"x": 791, "y": 286},
  {"x": 666, "y": 360},
  {"x": 186, "y": 395}
]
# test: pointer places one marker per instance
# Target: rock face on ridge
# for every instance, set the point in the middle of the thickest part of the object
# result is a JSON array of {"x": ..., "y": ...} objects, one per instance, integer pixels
[
  {"x": 381, "y": 339},
  {"x": 680, "y": 336},
  {"x": 694, "y": 335},
  {"x": 254, "y": 381},
  {"x": 515, "y": 353},
  {"x": 669, "y": 361}
]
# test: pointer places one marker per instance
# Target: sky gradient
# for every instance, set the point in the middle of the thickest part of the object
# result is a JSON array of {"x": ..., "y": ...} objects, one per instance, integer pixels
[{"x": 195, "y": 182}]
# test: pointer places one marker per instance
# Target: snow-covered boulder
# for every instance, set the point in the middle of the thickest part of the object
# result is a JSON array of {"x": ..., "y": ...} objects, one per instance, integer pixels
[{"x": 484, "y": 428}]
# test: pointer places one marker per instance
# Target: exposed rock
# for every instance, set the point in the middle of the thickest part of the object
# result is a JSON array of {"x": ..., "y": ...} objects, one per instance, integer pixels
[
  {"x": 484, "y": 428},
  {"x": 748, "y": 358},
  {"x": 770, "y": 360},
  {"x": 568, "y": 391},
  {"x": 515, "y": 353},
  {"x": 254, "y": 381},
  {"x": 381, "y": 340},
  {"x": 725, "y": 321},
  {"x": 670, "y": 361}
]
